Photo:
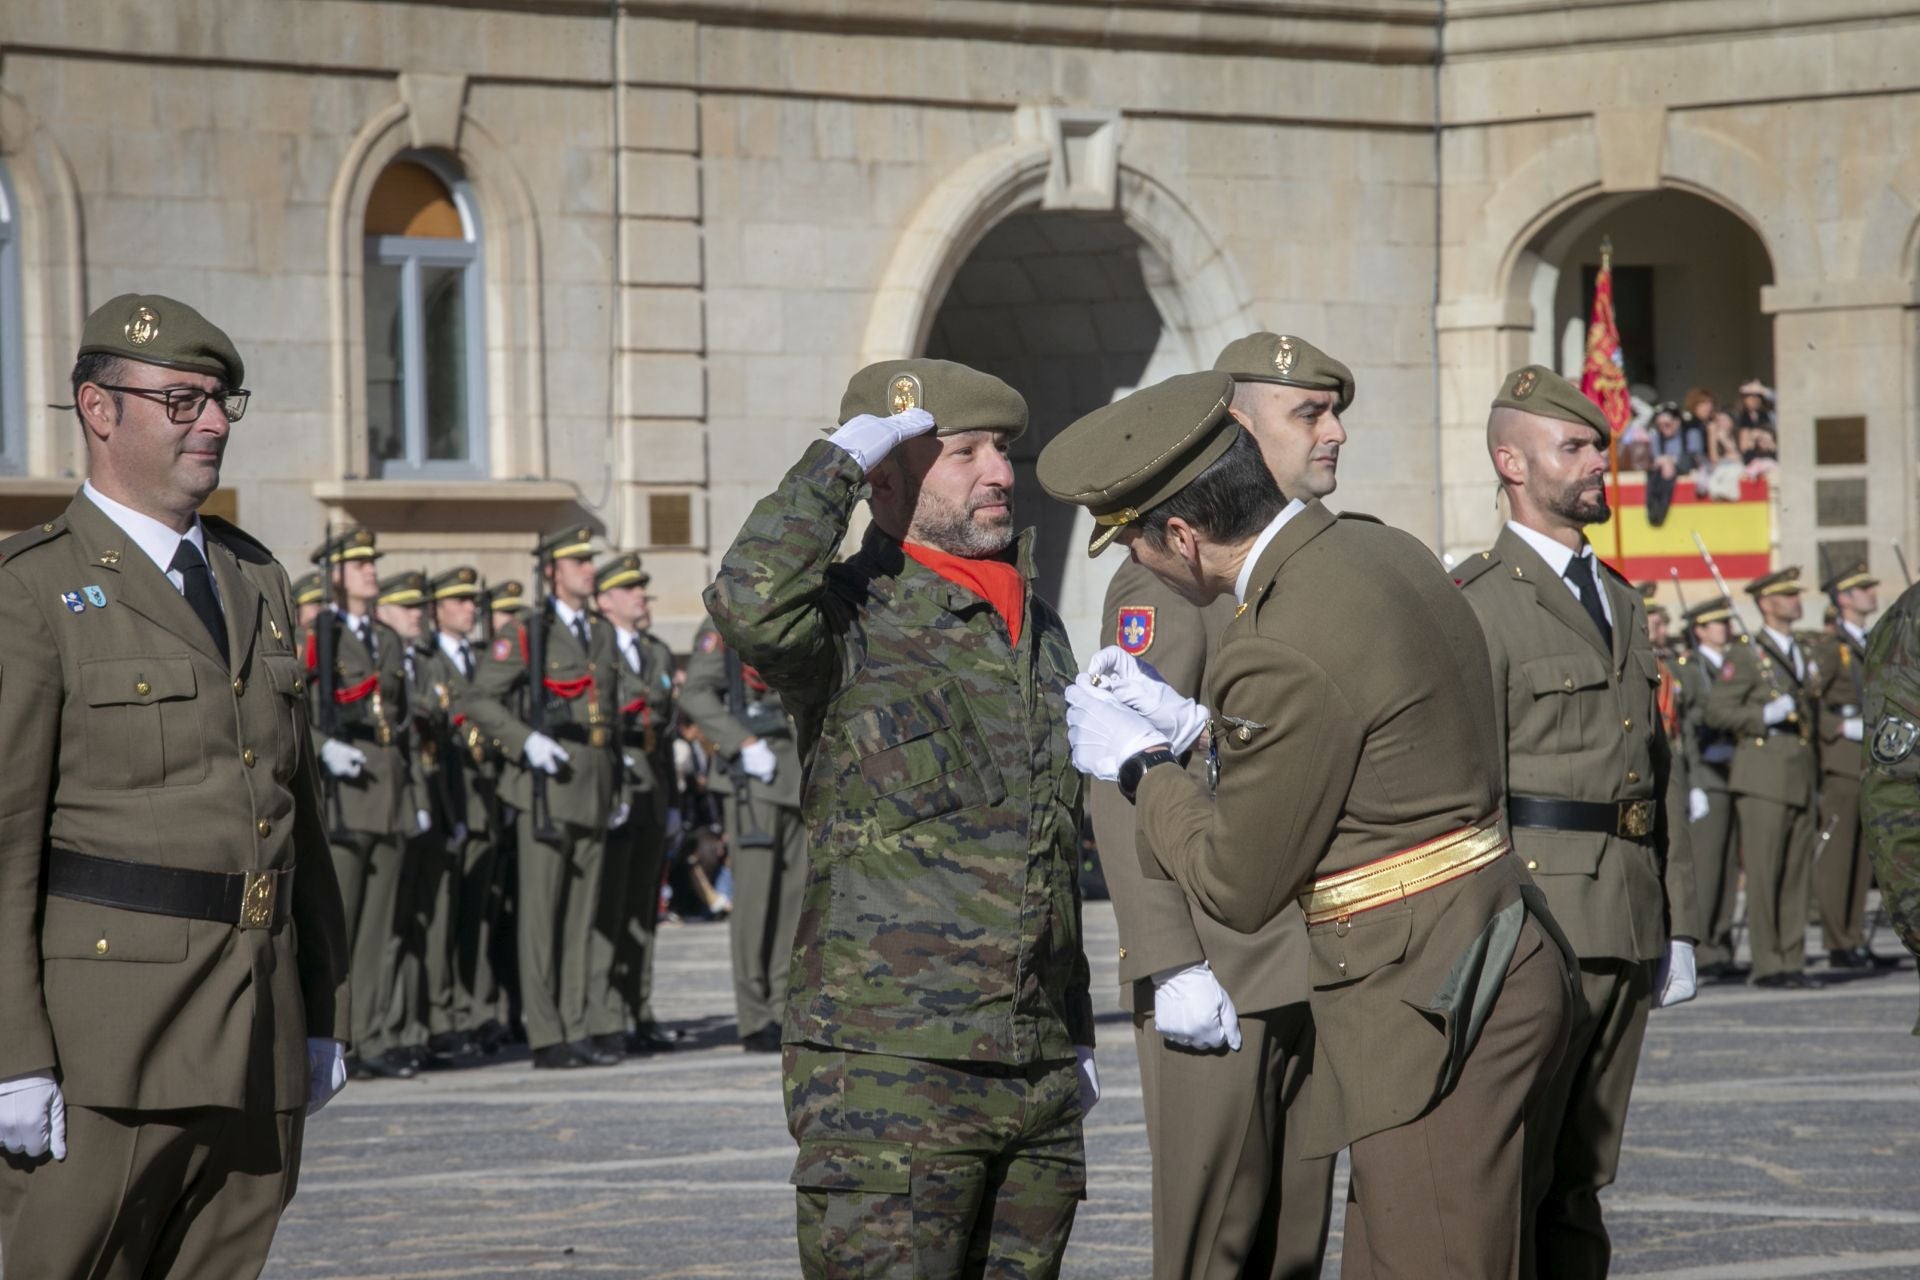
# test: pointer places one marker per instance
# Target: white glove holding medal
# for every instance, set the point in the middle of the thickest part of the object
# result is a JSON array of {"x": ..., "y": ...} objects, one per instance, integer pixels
[
  {"x": 1104, "y": 732},
  {"x": 1139, "y": 686},
  {"x": 870, "y": 439}
]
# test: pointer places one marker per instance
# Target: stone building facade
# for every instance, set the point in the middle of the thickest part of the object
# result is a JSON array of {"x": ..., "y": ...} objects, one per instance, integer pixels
[{"x": 497, "y": 263}]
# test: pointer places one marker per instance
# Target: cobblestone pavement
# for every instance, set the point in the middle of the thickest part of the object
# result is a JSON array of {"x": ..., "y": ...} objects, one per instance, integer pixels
[{"x": 1773, "y": 1134}]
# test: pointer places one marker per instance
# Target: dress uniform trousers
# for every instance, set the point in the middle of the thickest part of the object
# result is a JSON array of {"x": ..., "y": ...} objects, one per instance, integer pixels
[
  {"x": 768, "y": 885},
  {"x": 473, "y": 916},
  {"x": 417, "y": 1006},
  {"x": 370, "y": 869},
  {"x": 559, "y": 889},
  {"x": 1777, "y": 838},
  {"x": 629, "y": 914},
  {"x": 194, "y": 1194},
  {"x": 1234, "y": 1195},
  {"x": 1840, "y": 872},
  {"x": 1716, "y": 877}
]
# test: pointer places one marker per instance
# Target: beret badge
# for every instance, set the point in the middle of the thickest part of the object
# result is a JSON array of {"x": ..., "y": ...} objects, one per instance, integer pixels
[
  {"x": 1284, "y": 356},
  {"x": 143, "y": 326},
  {"x": 903, "y": 393},
  {"x": 1524, "y": 384}
]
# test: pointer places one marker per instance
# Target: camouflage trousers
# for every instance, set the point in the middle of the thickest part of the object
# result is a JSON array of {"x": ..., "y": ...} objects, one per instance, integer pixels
[{"x": 922, "y": 1170}]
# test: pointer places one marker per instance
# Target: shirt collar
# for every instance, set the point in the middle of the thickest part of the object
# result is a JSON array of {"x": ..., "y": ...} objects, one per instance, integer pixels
[
  {"x": 1858, "y": 633},
  {"x": 626, "y": 638},
  {"x": 565, "y": 612},
  {"x": 1558, "y": 555},
  {"x": 450, "y": 644},
  {"x": 1712, "y": 653},
  {"x": 1781, "y": 639},
  {"x": 155, "y": 539},
  {"x": 1267, "y": 535}
]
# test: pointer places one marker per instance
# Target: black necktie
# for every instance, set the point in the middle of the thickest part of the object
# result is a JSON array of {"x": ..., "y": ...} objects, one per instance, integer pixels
[
  {"x": 580, "y": 633},
  {"x": 466, "y": 660},
  {"x": 198, "y": 582},
  {"x": 1580, "y": 574}
]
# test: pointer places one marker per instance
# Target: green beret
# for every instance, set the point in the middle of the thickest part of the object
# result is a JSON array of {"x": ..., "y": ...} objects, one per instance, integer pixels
[
  {"x": 347, "y": 544},
  {"x": 621, "y": 571},
  {"x": 1123, "y": 460},
  {"x": 1781, "y": 582},
  {"x": 455, "y": 584},
  {"x": 959, "y": 398},
  {"x": 569, "y": 542},
  {"x": 309, "y": 589},
  {"x": 404, "y": 588},
  {"x": 158, "y": 330},
  {"x": 507, "y": 597},
  {"x": 1289, "y": 361},
  {"x": 1718, "y": 609},
  {"x": 1539, "y": 390}
]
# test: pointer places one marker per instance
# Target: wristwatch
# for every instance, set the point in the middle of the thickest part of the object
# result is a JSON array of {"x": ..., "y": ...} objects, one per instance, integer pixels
[{"x": 1135, "y": 768}]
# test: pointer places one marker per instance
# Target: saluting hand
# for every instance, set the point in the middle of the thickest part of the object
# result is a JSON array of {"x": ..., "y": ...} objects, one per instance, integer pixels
[
  {"x": 870, "y": 439},
  {"x": 1139, "y": 686}
]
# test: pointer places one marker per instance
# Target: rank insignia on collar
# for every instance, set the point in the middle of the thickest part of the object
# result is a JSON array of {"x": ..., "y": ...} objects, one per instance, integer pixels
[
  {"x": 1135, "y": 630},
  {"x": 72, "y": 600},
  {"x": 96, "y": 597},
  {"x": 1893, "y": 740}
]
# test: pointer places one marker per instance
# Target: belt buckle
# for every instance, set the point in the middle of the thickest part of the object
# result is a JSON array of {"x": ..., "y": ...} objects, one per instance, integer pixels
[
  {"x": 597, "y": 736},
  {"x": 256, "y": 900},
  {"x": 1636, "y": 819}
]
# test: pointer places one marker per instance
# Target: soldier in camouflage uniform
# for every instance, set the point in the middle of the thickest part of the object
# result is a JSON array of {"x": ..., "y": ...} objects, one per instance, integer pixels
[
  {"x": 939, "y": 1032},
  {"x": 1890, "y": 786}
]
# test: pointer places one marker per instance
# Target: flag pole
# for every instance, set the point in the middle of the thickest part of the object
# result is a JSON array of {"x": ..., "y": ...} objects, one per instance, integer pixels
[{"x": 1613, "y": 438}]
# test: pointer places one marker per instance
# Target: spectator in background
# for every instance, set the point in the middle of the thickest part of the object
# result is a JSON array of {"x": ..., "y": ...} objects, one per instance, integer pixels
[
  {"x": 1719, "y": 477},
  {"x": 1755, "y": 428},
  {"x": 1674, "y": 451},
  {"x": 1700, "y": 404}
]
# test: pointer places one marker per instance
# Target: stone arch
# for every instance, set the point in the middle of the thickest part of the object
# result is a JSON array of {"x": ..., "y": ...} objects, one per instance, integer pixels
[
  {"x": 53, "y": 300},
  {"x": 510, "y": 257}
]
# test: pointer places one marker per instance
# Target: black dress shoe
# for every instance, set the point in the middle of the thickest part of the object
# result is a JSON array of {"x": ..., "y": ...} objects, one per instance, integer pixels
[
  {"x": 1724, "y": 971},
  {"x": 1846, "y": 958},
  {"x": 358, "y": 1070},
  {"x": 394, "y": 1064},
  {"x": 488, "y": 1039},
  {"x": 557, "y": 1057},
  {"x": 651, "y": 1037},
  {"x": 594, "y": 1056},
  {"x": 613, "y": 1042},
  {"x": 1790, "y": 981},
  {"x": 1870, "y": 960},
  {"x": 765, "y": 1040}
]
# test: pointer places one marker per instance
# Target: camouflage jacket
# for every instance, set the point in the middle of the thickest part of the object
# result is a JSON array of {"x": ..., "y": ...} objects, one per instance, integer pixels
[
  {"x": 942, "y": 910},
  {"x": 1890, "y": 787}
]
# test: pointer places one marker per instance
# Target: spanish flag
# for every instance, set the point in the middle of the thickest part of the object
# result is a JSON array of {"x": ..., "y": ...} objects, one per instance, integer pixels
[{"x": 1740, "y": 534}]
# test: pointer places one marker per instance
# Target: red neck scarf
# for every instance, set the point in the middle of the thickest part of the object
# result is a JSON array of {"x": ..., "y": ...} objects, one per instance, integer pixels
[{"x": 995, "y": 581}]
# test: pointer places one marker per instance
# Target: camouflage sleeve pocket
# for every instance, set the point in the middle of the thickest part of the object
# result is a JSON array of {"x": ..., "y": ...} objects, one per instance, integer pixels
[
  {"x": 852, "y": 1164},
  {"x": 1892, "y": 723}
]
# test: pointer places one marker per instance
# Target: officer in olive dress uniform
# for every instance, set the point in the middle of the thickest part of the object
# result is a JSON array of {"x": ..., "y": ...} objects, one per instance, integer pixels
[
  {"x": 637, "y": 852},
  {"x": 757, "y": 777},
  {"x": 1764, "y": 698},
  {"x": 1232, "y": 1193},
  {"x": 309, "y": 597},
  {"x": 1709, "y": 752},
  {"x": 561, "y": 776},
  {"x": 359, "y": 723},
  {"x": 1356, "y": 773},
  {"x": 173, "y": 956},
  {"x": 503, "y": 604},
  {"x": 1840, "y": 871}
]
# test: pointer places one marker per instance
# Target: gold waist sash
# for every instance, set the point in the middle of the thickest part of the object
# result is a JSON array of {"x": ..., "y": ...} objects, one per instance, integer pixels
[{"x": 1402, "y": 875}]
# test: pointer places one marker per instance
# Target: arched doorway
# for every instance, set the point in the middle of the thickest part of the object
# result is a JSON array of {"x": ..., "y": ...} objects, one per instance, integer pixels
[{"x": 1072, "y": 309}]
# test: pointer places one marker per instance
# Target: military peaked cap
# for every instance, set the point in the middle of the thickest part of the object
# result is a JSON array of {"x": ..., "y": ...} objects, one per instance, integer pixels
[
  {"x": 1854, "y": 575},
  {"x": 621, "y": 571},
  {"x": 309, "y": 589},
  {"x": 456, "y": 584},
  {"x": 1718, "y": 609},
  {"x": 1124, "y": 459},
  {"x": 404, "y": 588},
  {"x": 1539, "y": 390},
  {"x": 507, "y": 597},
  {"x": 1289, "y": 361},
  {"x": 155, "y": 329},
  {"x": 959, "y": 398},
  {"x": 348, "y": 544},
  {"x": 570, "y": 542},
  {"x": 1781, "y": 582}
]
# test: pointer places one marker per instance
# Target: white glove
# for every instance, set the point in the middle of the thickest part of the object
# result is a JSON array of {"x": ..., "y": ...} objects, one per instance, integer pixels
[
  {"x": 1674, "y": 980},
  {"x": 1778, "y": 710},
  {"x": 1089, "y": 1078},
  {"x": 1138, "y": 685},
  {"x": 342, "y": 761},
  {"x": 870, "y": 439},
  {"x": 1853, "y": 728},
  {"x": 618, "y": 818},
  {"x": 544, "y": 754},
  {"x": 757, "y": 759},
  {"x": 33, "y": 1116},
  {"x": 424, "y": 818},
  {"x": 1698, "y": 806},
  {"x": 1103, "y": 732},
  {"x": 1192, "y": 1009},
  {"x": 326, "y": 1071}
]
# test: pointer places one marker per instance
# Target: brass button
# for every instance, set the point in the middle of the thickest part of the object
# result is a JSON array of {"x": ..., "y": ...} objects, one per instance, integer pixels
[
  {"x": 298, "y": 684},
  {"x": 1343, "y": 966},
  {"x": 46, "y": 528},
  {"x": 265, "y": 827},
  {"x": 1123, "y": 953},
  {"x": 1627, "y": 724},
  {"x": 239, "y": 686},
  {"x": 1532, "y": 865},
  {"x": 100, "y": 947},
  {"x": 1244, "y": 733},
  {"x": 1759, "y": 742},
  {"x": 1569, "y": 682},
  {"x": 1632, "y": 776},
  {"x": 143, "y": 688},
  {"x": 247, "y": 757}
]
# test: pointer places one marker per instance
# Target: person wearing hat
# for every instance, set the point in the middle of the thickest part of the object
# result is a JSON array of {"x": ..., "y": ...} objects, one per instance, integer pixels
[
  {"x": 173, "y": 955},
  {"x": 1710, "y": 827},
  {"x": 1890, "y": 785},
  {"x": 560, "y": 775},
  {"x": 309, "y": 597},
  {"x": 359, "y": 718},
  {"x": 758, "y": 783},
  {"x": 1840, "y": 870},
  {"x": 1360, "y": 781},
  {"x": 1764, "y": 697},
  {"x": 939, "y": 983},
  {"x": 1232, "y": 1192},
  {"x": 637, "y": 851},
  {"x": 505, "y": 603},
  {"x": 1586, "y": 763}
]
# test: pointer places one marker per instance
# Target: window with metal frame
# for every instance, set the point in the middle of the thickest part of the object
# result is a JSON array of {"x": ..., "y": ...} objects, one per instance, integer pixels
[
  {"x": 426, "y": 351},
  {"x": 13, "y": 409}
]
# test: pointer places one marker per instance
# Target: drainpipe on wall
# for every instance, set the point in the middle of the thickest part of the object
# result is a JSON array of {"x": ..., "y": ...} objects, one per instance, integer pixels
[{"x": 1439, "y": 452}]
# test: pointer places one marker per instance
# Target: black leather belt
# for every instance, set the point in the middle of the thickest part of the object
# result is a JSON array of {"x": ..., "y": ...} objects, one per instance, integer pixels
[
  {"x": 596, "y": 735},
  {"x": 249, "y": 899},
  {"x": 1629, "y": 819}
]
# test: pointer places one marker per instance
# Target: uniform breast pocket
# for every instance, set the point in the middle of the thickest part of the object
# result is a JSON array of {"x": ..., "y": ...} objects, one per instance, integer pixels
[
  {"x": 287, "y": 679},
  {"x": 1565, "y": 687},
  {"x": 922, "y": 757},
  {"x": 143, "y": 722}
]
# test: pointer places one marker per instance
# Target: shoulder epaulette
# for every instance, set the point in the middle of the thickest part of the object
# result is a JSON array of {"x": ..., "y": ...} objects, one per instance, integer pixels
[
  {"x": 32, "y": 537},
  {"x": 237, "y": 540},
  {"x": 1473, "y": 566},
  {"x": 1360, "y": 515}
]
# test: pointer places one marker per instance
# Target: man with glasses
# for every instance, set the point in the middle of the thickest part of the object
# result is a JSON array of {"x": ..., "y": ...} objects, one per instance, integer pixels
[{"x": 173, "y": 960}]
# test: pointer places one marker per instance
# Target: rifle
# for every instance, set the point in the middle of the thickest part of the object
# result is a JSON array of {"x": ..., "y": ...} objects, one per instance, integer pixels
[
  {"x": 435, "y": 729},
  {"x": 535, "y": 629},
  {"x": 1673, "y": 571},
  {"x": 326, "y": 634},
  {"x": 1739, "y": 623},
  {"x": 1901, "y": 556},
  {"x": 754, "y": 837}
]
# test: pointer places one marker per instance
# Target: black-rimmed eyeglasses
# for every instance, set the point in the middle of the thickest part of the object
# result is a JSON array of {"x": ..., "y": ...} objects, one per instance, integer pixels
[{"x": 186, "y": 404}]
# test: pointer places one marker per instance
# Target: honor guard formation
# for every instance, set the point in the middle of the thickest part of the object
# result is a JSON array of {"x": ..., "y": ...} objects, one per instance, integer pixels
[{"x": 1403, "y": 856}]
